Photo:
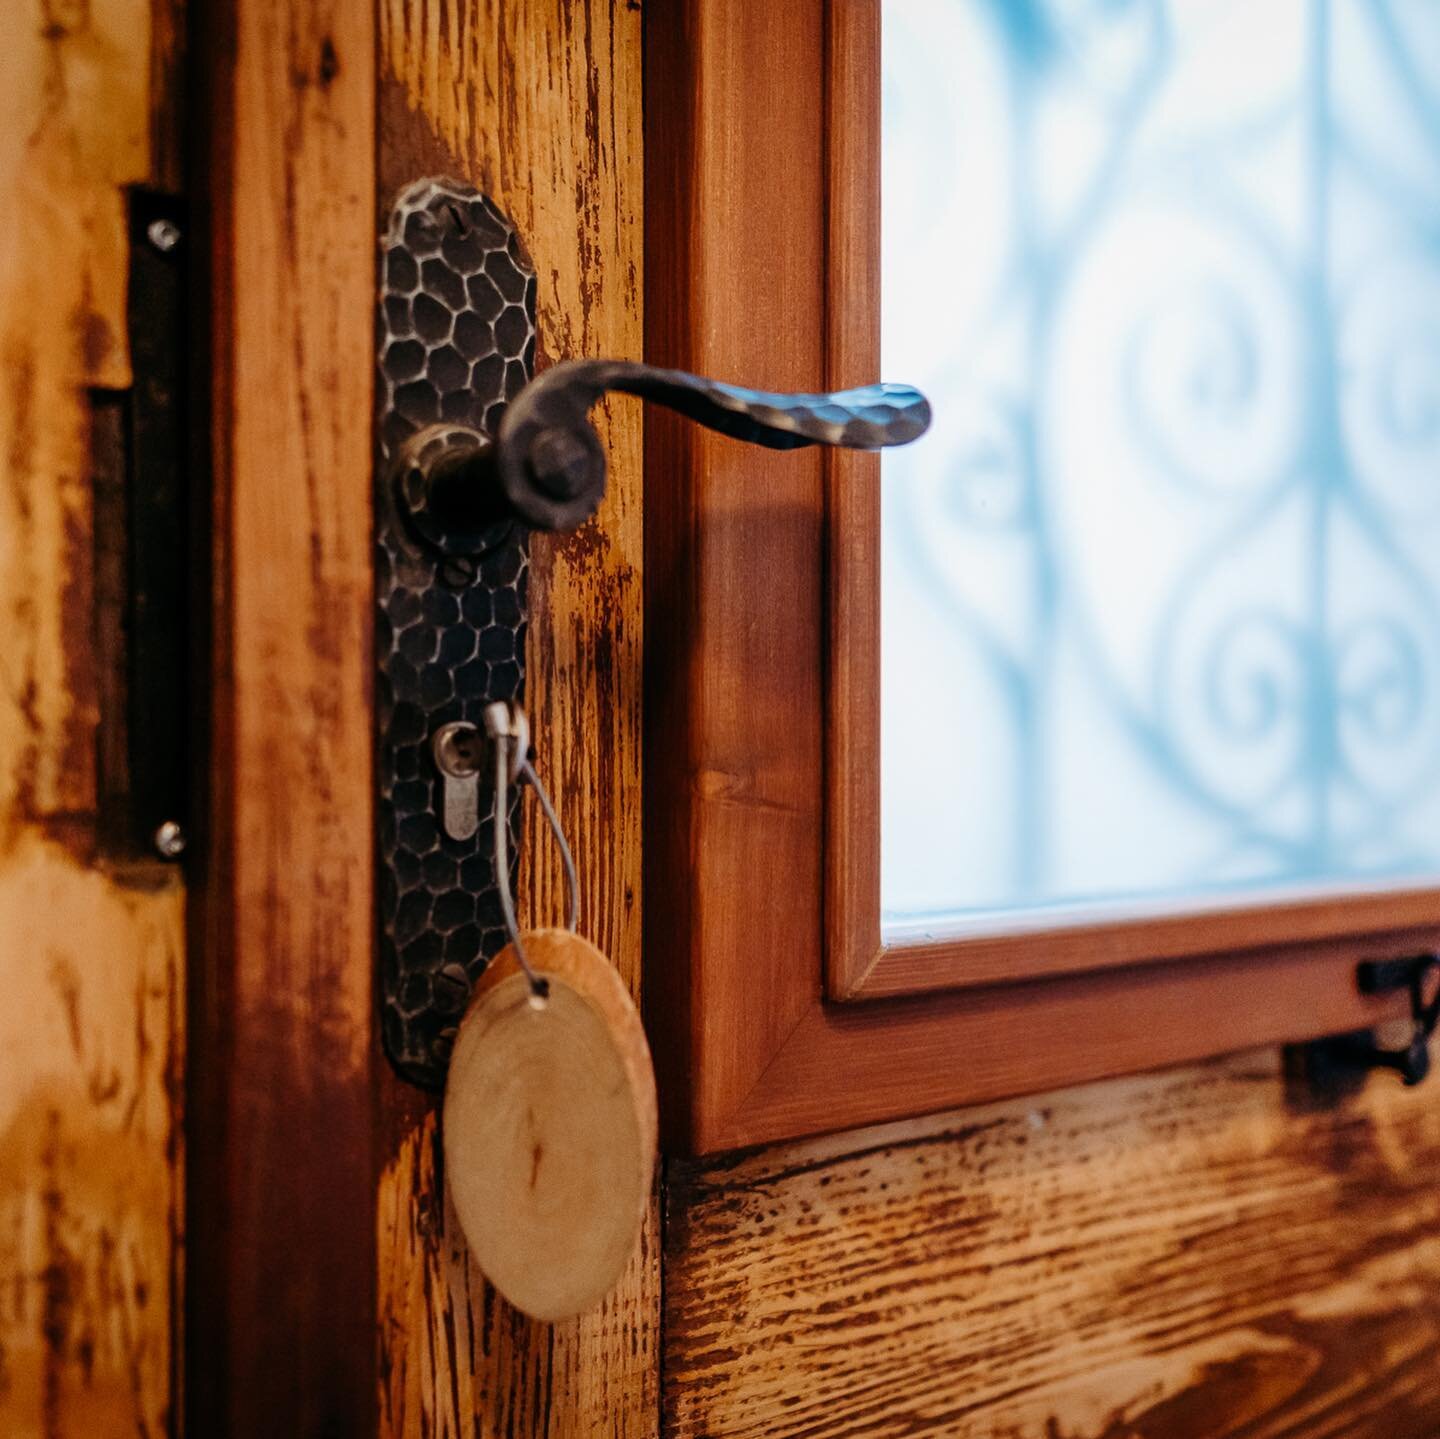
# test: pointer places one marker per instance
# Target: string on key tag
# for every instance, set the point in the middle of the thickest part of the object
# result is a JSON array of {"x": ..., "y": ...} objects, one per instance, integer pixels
[
  {"x": 509, "y": 730},
  {"x": 550, "y": 1117}
]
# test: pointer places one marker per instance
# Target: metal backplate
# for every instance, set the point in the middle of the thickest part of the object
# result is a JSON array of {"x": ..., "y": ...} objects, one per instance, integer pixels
[
  {"x": 456, "y": 342},
  {"x": 143, "y": 552}
]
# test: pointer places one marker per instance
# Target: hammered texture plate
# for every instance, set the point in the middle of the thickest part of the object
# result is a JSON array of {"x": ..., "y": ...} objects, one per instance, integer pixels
[{"x": 456, "y": 342}]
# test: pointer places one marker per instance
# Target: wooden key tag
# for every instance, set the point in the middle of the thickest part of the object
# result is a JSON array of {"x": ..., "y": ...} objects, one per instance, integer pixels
[{"x": 550, "y": 1126}]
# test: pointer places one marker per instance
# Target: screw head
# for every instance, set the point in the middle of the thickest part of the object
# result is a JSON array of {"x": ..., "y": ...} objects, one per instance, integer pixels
[
  {"x": 457, "y": 572},
  {"x": 163, "y": 234},
  {"x": 170, "y": 840},
  {"x": 451, "y": 987},
  {"x": 559, "y": 464}
]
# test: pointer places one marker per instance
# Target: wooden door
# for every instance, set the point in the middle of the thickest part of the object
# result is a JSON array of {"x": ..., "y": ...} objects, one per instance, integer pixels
[
  {"x": 330, "y": 1292},
  {"x": 1204, "y": 1251},
  {"x": 1209, "y": 1251},
  {"x": 318, "y": 117},
  {"x": 320, "y": 1288}
]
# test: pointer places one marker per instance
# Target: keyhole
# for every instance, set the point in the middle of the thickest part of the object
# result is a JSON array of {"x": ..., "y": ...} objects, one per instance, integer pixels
[
  {"x": 458, "y": 748},
  {"x": 467, "y": 749}
]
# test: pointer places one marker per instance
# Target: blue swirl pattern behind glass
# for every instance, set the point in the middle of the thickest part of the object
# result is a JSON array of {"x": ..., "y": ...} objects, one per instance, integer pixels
[{"x": 1161, "y": 590}]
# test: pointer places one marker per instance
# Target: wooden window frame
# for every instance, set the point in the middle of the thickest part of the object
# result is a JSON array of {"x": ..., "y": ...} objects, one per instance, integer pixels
[{"x": 762, "y": 686}]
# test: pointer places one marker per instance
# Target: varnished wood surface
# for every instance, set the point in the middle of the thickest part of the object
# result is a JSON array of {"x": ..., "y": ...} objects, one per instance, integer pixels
[
  {"x": 539, "y": 104},
  {"x": 91, "y": 955},
  {"x": 1203, "y": 1254},
  {"x": 852, "y": 497},
  {"x": 1384, "y": 922},
  {"x": 281, "y": 1311},
  {"x": 733, "y": 537}
]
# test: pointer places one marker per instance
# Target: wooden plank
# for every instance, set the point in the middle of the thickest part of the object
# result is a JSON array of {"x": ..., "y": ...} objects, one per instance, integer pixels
[
  {"x": 540, "y": 106},
  {"x": 91, "y": 955},
  {"x": 281, "y": 1295},
  {"x": 1038, "y": 951},
  {"x": 852, "y": 498},
  {"x": 1183, "y": 1256},
  {"x": 733, "y": 541}
]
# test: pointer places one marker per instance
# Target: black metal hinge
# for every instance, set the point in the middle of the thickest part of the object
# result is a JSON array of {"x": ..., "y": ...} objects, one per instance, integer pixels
[{"x": 143, "y": 549}]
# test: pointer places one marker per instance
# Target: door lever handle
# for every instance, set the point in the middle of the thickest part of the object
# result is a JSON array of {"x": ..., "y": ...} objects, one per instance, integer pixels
[{"x": 545, "y": 469}]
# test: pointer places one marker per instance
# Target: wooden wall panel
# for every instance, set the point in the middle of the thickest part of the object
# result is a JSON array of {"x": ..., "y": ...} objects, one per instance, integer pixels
[
  {"x": 1189, "y": 1255},
  {"x": 90, "y": 955},
  {"x": 539, "y": 104}
]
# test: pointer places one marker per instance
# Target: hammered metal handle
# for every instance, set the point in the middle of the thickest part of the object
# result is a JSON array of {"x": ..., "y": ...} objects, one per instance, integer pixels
[{"x": 546, "y": 468}]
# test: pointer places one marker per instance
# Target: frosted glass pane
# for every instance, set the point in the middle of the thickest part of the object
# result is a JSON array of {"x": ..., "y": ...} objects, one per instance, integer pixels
[{"x": 1160, "y": 618}]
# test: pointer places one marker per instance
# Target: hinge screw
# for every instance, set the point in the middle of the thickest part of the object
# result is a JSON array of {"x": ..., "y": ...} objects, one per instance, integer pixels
[
  {"x": 170, "y": 840},
  {"x": 163, "y": 234}
]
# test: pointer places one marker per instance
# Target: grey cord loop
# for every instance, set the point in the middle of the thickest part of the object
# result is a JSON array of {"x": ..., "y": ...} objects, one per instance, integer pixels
[{"x": 510, "y": 730}]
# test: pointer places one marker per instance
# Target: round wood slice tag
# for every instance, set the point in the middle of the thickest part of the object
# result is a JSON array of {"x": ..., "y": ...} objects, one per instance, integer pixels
[{"x": 550, "y": 1127}]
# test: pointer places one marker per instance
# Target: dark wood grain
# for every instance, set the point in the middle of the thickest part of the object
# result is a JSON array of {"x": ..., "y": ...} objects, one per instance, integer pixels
[
  {"x": 281, "y": 1271},
  {"x": 1203, "y": 1255},
  {"x": 762, "y": 712}
]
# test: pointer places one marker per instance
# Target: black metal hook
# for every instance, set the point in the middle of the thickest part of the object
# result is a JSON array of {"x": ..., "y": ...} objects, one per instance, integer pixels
[
  {"x": 1354, "y": 1054},
  {"x": 1385, "y": 976}
]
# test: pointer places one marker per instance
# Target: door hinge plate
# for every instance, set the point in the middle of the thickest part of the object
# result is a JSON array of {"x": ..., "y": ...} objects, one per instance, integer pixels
[{"x": 143, "y": 548}]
